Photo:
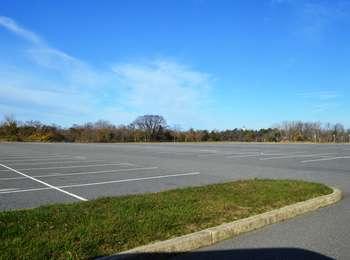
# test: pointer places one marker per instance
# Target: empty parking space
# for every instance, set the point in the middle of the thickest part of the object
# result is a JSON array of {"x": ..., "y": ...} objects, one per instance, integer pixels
[
  {"x": 25, "y": 178},
  {"x": 10, "y": 185}
]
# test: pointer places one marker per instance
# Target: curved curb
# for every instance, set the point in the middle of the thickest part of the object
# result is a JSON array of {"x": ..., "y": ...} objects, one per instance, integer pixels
[{"x": 213, "y": 235}]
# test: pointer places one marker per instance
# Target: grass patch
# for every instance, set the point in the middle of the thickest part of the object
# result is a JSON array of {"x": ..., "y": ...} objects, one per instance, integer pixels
[{"x": 109, "y": 225}]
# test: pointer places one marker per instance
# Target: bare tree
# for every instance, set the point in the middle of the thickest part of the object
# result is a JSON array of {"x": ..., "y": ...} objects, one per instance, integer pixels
[
  {"x": 152, "y": 125},
  {"x": 176, "y": 131},
  {"x": 11, "y": 127},
  {"x": 154, "y": 128}
]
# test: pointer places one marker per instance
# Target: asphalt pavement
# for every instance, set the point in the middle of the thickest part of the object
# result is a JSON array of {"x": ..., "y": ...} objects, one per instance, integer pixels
[{"x": 34, "y": 174}]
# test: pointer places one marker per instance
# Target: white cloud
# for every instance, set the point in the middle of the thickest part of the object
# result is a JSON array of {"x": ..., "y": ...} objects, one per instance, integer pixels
[
  {"x": 39, "y": 52},
  {"x": 12, "y": 26},
  {"x": 320, "y": 95},
  {"x": 74, "y": 71},
  {"x": 161, "y": 86},
  {"x": 312, "y": 19},
  {"x": 65, "y": 85},
  {"x": 60, "y": 101},
  {"x": 281, "y": 1},
  {"x": 319, "y": 108},
  {"x": 321, "y": 101},
  {"x": 315, "y": 18}
]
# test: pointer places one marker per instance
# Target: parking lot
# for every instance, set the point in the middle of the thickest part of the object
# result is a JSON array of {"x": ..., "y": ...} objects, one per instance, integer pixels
[
  {"x": 36, "y": 178},
  {"x": 34, "y": 174},
  {"x": 37, "y": 174}
]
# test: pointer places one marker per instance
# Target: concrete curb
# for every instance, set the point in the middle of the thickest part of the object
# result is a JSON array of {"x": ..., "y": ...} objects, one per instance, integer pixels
[{"x": 213, "y": 235}]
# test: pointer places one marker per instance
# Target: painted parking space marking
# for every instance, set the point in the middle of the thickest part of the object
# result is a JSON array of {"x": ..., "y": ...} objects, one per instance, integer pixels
[
  {"x": 255, "y": 155},
  {"x": 260, "y": 154},
  {"x": 7, "y": 158},
  {"x": 58, "y": 162},
  {"x": 82, "y": 173},
  {"x": 74, "y": 166},
  {"x": 296, "y": 156},
  {"x": 42, "y": 182},
  {"x": 326, "y": 159},
  {"x": 242, "y": 156},
  {"x": 208, "y": 151},
  {"x": 103, "y": 183},
  {"x": 40, "y": 159},
  {"x": 9, "y": 189},
  {"x": 33, "y": 154}
]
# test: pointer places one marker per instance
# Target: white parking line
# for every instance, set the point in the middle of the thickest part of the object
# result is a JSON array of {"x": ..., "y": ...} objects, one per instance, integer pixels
[
  {"x": 273, "y": 154},
  {"x": 239, "y": 153},
  {"x": 326, "y": 159},
  {"x": 34, "y": 157},
  {"x": 9, "y": 189},
  {"x": 81, "y": 173},
  {"x": 107, "y": 182},
  {"x": 38, "y": 159},
  {"x": 295, "y": 156},
  {"x": 133, "y": 179},
  {"x": 73, "y": 166},
  {"x": 65, "y": 162},
  {"x": 242, "y": 156},
  {"x": 31, "y": 154},
  {"x": 208, "y": 151},
  {"x": 42, "y": 182},
  {"x": 253, "y": 155}
]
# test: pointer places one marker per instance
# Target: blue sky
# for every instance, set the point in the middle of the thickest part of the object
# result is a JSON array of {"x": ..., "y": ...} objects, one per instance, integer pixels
[{"x": 202, "y": 64}]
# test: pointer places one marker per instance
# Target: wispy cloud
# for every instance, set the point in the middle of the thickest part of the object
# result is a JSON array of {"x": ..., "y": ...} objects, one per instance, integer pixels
[
  {"x": 313, "y": 18},
  {"x": 44, "y": 99},
  {"x": 12, "y": 26},
  {"x": 281, "y": 1},
  {"x": 318, "y": 108},
  {"x": 176, "y": 91},
  {"x": 320, "y": 101},
  {"x": 316, "y": 17},
  {"x": 320, "y": 95},
  {"x": 39, "y": 52},
  {"x": 118, "y": 93}
]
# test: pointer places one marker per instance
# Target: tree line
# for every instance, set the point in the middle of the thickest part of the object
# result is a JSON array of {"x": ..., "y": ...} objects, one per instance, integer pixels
[{"x": 153, "y": 128}]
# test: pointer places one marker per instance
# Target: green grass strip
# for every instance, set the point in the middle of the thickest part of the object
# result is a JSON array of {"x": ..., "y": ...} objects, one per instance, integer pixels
[{"x": 109, "y": 225}]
